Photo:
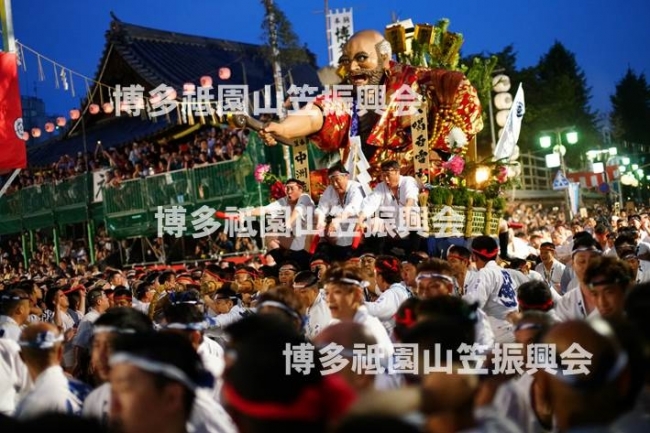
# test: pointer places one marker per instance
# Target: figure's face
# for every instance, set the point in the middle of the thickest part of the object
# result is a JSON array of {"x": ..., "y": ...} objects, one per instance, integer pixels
[{"x": 361, "y": 63}]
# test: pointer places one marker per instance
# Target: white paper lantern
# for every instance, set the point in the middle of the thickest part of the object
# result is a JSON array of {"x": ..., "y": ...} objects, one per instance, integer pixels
[
  {"x": 501, "y": 83},
  {"x": 503, "y": 101},
  {"x": 502, "y": 117}
]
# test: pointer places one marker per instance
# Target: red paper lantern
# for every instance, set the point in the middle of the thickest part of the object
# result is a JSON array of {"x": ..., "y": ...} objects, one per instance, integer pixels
[
  {"x": 74, "y": 114},
  {"x": 36, "y": 132},
  {"x": 224, "y": 73},
  {"x": 61, "y": 121},
  {"x": 93, "y": 108},
  {"x": 206, "y": 81},
  {"x": 108, "y": 107},
  {"x": 49, "y": 127}
]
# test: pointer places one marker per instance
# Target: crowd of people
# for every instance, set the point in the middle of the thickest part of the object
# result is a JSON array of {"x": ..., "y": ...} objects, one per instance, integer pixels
[
  {"x": 141, "y": 159},
  {"x": 366, "y": 324},
  {"x": 311, "y": 342}
]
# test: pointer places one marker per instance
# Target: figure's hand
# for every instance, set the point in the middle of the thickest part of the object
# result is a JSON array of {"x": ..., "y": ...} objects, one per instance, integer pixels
[{"x": 266, "y": 134}]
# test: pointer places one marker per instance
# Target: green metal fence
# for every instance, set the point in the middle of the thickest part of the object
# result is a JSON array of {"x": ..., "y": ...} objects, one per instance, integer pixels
[{"x": 129, "y": 209}]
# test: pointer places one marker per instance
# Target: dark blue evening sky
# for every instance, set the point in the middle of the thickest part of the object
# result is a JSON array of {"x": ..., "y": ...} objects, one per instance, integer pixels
[{"x": 606, "y": 36}]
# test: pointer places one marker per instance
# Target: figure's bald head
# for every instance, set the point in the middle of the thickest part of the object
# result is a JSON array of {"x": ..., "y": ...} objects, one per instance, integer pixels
[{"x": 372, "y": 36}]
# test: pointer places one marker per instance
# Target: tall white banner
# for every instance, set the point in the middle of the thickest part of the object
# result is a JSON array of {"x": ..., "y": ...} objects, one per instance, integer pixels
[
  {"x": 340, "y": 29},
  {"x": 506, "y": 145}
]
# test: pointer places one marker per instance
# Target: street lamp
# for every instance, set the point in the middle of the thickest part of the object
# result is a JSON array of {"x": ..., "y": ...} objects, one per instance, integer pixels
[{"x": 546, "y": 141}]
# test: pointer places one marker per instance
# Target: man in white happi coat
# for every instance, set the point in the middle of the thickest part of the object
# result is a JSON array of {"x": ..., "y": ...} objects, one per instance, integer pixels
[
  {"x": 14, "y": 313},
  {"x": 550, "y": 268},
  {"x": 393, "y": 291},
  {"x": 336, "y": 213},
  {"x": 493, "y": 289},
  {"x": 578, "y": 302},
  {"x": 314, "y": 304},
  {"x": 396, "y": 199},
  {"x": 288, "y": 223},
  {"x": 42, "y": 351}
]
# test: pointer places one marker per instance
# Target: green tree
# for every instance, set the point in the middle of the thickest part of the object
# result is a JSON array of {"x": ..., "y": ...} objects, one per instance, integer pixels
[
  {"x": 557, "y": 95},
  {"x": 291, "y": 50},
  {"x": 630, "y": 114}
]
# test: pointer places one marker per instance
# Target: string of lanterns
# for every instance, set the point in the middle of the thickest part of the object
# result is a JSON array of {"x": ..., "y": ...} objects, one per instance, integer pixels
[{"x": 62, "y": 74}]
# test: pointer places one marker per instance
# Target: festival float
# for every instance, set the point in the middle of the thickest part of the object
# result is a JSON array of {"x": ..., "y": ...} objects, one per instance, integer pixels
[{"x": 460, "y": 194}]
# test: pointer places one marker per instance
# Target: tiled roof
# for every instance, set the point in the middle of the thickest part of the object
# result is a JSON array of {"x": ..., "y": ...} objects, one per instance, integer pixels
[{"x": 163, "y": 57}]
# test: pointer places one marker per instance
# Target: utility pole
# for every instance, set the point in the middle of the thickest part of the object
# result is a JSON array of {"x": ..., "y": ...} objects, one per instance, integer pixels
[{"x": 277, "y": 76}]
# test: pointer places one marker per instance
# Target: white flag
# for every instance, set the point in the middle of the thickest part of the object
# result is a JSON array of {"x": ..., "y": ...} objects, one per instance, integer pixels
[
  {"x": 357, "y": 165},
  {"x": 508, "y": 140}
]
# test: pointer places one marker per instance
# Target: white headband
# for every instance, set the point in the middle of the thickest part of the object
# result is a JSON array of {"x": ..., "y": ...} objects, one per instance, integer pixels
[
  {"x": 167, "y": 370},
  {"x": 103, "y": 329},
  {"x": 196, "y": 326},
  {"x": 362, "y": 284},
  {"x": 43, "y": 340}
]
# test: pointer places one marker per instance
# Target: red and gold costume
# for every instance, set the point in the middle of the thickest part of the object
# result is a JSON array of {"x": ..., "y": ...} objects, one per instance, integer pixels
[{"x": 450, "y": 98}]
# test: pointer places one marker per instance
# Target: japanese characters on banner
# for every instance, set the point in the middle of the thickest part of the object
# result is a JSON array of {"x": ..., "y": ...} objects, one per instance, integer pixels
[
  {"x": 420, "y": 144},
  {"x": 421, "y": 153},
  {"x": 301, "y": 162},
  {"x": 99, "y": 181},
  {"x": 339, "y": 31}
]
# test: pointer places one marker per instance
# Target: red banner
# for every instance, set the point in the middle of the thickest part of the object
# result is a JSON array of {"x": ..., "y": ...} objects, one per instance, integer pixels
[
  {"x": 13, "y": 153},
  {"x": 594, "y": 180}
]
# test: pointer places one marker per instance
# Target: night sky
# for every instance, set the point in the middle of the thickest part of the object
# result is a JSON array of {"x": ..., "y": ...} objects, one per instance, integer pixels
[{"x": 606, "y": 36}]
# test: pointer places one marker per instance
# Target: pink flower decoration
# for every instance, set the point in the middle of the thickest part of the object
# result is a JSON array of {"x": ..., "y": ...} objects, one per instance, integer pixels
[
  {"x": 456, "y": 164},
  {"x": 260, "y": 172},
  {"x": 502, "y": 177}
]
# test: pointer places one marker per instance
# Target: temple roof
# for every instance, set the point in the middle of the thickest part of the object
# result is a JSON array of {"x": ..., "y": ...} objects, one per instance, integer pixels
[{"x": 150, "y": 57}]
